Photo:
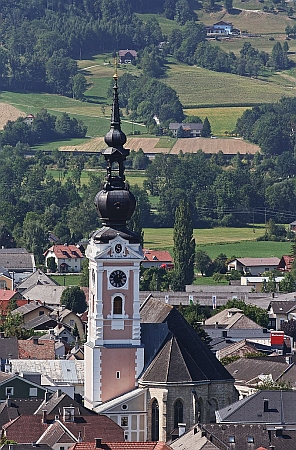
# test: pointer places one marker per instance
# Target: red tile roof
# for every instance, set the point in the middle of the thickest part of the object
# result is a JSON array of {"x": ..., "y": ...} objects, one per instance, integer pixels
[
  {"x": 122, "y": 446},
  {"x": 157, "y": 255},
  {"x": 65, "y": 251},
  {"x": 89, "y": 426},
  {"x": 36, "y": 349}
]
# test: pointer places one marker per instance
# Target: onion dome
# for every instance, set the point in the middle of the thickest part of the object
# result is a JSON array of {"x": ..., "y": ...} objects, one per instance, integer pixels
[{"x": 115, "y": 203}]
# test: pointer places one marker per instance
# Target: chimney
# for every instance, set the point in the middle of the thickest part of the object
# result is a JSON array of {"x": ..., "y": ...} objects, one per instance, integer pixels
[
  {"x": 79, "y": 436},
  {"x": 28, "y": 301},
  {"x": 224, "y": 333},
  {"x": 278, "y": 432},
  {"x": 35, "y": 341},
  {"x": 59, "y": 392},
  {"x": 182, "y": 428},
  {"x": 265, "y": 405},
  {"x": 47, "y": 396},
  {"x": 44, "y": 415},
  {"x": 8, "y": 401},
  {"x": 98, "y": 443}
]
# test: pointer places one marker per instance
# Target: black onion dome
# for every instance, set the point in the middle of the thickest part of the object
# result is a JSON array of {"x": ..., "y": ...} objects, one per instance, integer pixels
[
  {"x": 115, "y": 203},
  {"x": 115, "y": 136},
  {"x": 115, "y": 207}
]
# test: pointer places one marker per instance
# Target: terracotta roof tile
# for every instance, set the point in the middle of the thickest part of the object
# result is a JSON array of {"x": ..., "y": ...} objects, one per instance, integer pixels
[
  {"x": 65, "y": 251},
  {"x": 122, "y": 446},
  {"x": 157, "y": 255},
  {"x": 36, "y": 349}
]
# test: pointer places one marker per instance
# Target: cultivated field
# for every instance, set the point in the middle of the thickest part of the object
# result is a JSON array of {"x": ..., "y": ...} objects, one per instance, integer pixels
[
  {"x": 9, "y": 112},
  {"x": 151, "y": 146}
]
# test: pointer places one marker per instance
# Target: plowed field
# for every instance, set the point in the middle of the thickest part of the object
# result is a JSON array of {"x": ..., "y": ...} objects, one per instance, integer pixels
[{"x": 8, "y": 112}]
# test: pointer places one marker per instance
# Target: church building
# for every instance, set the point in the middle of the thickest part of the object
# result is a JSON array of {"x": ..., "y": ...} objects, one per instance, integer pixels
[{"x": 145, "y": 367}]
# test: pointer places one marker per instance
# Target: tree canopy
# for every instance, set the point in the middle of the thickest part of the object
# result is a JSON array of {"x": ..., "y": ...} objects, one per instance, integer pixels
[{"x": 73, "y": 298}]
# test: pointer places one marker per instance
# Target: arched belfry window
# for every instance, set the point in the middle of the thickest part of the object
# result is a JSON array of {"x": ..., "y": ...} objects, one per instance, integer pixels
[
  {"x": 154, "y": 421},
  {"x": 178, "y": 412},
  {"x": 117, "y": 305}
]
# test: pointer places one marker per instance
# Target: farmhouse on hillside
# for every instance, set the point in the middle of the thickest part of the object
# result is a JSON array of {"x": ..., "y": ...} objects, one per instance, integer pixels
[
  {"x": 127, "y": 56},
  {"x": 222, "y": 28},
  {"x": 188, "y": 130}
]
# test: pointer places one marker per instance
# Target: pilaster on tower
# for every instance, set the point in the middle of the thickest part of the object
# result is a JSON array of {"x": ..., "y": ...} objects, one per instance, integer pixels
[{"x": 114, "y": 356}]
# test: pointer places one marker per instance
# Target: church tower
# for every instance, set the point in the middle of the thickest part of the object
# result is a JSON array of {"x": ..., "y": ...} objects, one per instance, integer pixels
[{"x": 113, "y": 354}]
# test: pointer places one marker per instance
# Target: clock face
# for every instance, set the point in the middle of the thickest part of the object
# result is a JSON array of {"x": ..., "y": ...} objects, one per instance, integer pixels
[{"x": 117, "y": 278}]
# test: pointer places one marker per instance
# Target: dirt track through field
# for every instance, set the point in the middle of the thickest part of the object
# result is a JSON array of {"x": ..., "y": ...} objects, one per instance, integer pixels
[{"x": 9, "y": 112}]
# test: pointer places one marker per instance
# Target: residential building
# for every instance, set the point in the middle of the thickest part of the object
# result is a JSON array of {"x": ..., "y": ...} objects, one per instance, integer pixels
[
  {"x": 271, "y": 369},
  {"x": 285, "y": 264},
  {"x": 222, "y": 28},
  {"x": 280, "y": 312},
  {"x": 68, "y": 258},
  {"x": 18, "y": 262},
  {"x": 189, "y": 130},
  {"x": 127, "y": 56},
  {"x": 257, "y": 283},
  {"x": 7, "y": 297},
  {"x": 253, "y": 266},
  {"x": 157, "y": 258},
  {"x": 50, "y": 295},
  {"x": 37, "y": 278},
  {"x": 6, "y": 280}
]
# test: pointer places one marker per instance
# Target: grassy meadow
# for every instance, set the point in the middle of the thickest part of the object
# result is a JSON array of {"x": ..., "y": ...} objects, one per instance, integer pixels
[{"x": 239, "y": 242}]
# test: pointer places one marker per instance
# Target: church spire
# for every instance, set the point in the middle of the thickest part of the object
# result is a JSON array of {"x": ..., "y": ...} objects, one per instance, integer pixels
[{"x": 115, "y": 203}]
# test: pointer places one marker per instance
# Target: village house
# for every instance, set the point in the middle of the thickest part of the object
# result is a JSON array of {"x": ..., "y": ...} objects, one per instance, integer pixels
[
  {"x": 6, "y": 281},
  {"x": 127, "y": 56},
  {"x": 68, "y": 258},
  {"x": 257, "y": 283},
  {"x": 189, "y": 130},
  {"x": 280, "y": 312},
  {"x": 253, "y": 266},
  {"x": 222, "y": 28},
  {"x": 285, "y": 264},
  {"x": 157, "y": 258},
  {"x": 18, "y": 262}
]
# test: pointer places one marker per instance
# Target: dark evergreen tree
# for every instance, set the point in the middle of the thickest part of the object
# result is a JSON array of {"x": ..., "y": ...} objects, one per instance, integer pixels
[
  {"x": 206, "y": 129},
  {"x": 184, "y": 248}
]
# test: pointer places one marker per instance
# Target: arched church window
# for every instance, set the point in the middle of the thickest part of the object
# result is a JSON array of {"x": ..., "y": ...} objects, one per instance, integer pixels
[
  {"x": 154, "y": 421},
  {"x": 117, "y": 305},
  {"x": 178, "y": 413}
]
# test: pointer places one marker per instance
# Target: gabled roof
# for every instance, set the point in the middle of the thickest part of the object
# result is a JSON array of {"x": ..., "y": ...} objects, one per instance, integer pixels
[
  {"x": 154, "y": 311},
  {"x": 157, "y": 255},
  {"x": 244, "y": 371},
  {"x": 65, "y": 251},
  {"x": 183, "y": 356},
  {"x": 17, "y": 259},
  {"x": 185, "y": 126},
  {"x": 193, "y": 439},
  {"x": 32, "y": 446},
  {"x": 35, "y": 348},
  {"x": 50, "y": 295},
  {"x": 232, "y": 318},
  {"x": 7, "y": 294},
  {"x": 17, "y": 407},
  {"x": 43, "y": 322},
  {"x": 57, "y": 401},
  {"x": 266, "y": 406},
  {"x": 124, "y": 52},
  {"x": 5, "y": 272},
  {"x": 282, "y": 307},
  {"x": 31, "y": 306},
  {"x": 37, "y": 277},
  {"x": 240, "y": 348},
  {"x": 122, "y": 446},
  {"x": 253, "y": 262}
]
